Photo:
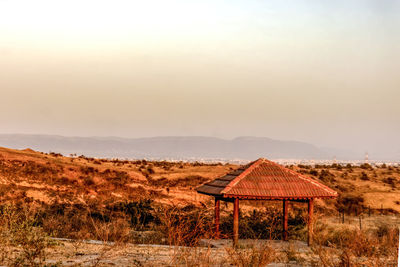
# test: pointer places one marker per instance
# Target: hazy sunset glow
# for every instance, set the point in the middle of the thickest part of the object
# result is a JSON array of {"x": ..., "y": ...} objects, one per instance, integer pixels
[{"x": 324, "y": 72}]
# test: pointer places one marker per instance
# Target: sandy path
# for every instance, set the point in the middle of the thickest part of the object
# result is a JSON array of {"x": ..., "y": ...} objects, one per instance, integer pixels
[{"x": 95, "y": 253}]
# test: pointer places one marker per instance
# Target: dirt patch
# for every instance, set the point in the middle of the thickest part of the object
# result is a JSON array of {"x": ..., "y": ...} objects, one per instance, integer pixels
[
  {"x": 80, "y": 253},
  {"x": 38, "y": 195}
]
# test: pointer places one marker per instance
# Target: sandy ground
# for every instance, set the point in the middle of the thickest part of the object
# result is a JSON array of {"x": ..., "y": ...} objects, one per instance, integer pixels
[{"x": 95, "y": 253}]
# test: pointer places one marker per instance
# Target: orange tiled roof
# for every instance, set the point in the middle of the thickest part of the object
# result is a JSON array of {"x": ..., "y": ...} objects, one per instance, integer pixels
[{"x": 264, "y": 179}]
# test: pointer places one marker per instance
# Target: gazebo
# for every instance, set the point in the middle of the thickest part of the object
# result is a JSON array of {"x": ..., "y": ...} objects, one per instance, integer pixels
[{"x": 265, "y": 180}]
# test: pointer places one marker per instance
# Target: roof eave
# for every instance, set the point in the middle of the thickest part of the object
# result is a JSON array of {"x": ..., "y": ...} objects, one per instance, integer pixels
[{"x": 275, "y": 197}]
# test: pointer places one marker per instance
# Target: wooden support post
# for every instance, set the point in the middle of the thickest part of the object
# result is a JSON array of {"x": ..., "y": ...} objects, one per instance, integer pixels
[
  {"x": 235, "y": 222},
  {"x": 310, "y": 220},
  {"x": 216, "y": 219},
  {"x": 285, "y": 220}
]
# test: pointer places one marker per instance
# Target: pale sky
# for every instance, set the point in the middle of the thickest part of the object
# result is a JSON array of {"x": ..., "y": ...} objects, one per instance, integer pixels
[{"x": 323, "y": 72}]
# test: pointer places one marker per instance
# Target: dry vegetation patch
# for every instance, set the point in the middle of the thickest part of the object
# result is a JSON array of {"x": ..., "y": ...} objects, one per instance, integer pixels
[{"x": 43, "y": 196}]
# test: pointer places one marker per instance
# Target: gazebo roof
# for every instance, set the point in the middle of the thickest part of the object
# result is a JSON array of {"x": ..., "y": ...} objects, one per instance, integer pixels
[{"x": 264, "y": 179}]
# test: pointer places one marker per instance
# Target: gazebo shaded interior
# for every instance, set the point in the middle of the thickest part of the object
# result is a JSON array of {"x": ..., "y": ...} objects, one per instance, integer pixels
[{"x": 265, "y": 180}]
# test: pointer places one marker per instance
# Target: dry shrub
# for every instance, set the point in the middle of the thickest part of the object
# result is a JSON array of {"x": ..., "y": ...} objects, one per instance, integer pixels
[
  {"x": 366, "y": 166},
  {"x": 292, "y": 253},
  {"x": 147, "y": 237},
  {"x": 326, "y": 257},
  {"x": 195, "y": 256},
  {"x": 326, "y": 176},
  {"x": 142, "y": 215},
  {"x": 390, "y": 181},
  {"x": 388, "y": 238},
  {"x": 188, "y": 181},
  {"x": 119, "y": 178},
  {"x": 191, "y": 180},
  {"x": 350, "y": 202},
  {"x": 23, "y": 243},
  {"x": 362, "y": 244},
  {"x": 260, "y": 255},
  {"x": 185, "y": 226},
  {"x": 116, "y": 230},
  {"x": 347, "y": 247},
  {"x": 258, "y": 224},
  {"x": 265, "y": 223},
  {"x": 364, "y": 176},
  {"x": 84, "y": 222}
]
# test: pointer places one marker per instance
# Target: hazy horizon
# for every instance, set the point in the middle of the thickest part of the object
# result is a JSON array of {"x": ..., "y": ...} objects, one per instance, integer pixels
[
  {"x": 51, "y": 142},
  {"x": 320, "y": 72}
]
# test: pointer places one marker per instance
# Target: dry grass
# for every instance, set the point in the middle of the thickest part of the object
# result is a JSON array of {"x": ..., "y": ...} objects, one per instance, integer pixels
[
  {"x": 348, "y": 246},
  {"x": 29, "y": 176},
  {"x": 22, "y": 242},
  {"x": 34, "y": 176},
  {"x": 255, "y": 256},
  {"x": 48, "y": 195}
]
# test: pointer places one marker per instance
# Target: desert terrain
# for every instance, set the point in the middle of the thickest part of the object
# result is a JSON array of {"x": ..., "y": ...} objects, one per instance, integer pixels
[{"x": 81, "y": 211}]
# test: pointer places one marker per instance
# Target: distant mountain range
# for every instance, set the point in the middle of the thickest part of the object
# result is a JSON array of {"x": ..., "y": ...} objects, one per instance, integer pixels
[{"x": 168, "y": 147}]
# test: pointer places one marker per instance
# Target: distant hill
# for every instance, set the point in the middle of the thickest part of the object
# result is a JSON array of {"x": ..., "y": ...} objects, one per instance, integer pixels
[{"x": 167, "y": 147}]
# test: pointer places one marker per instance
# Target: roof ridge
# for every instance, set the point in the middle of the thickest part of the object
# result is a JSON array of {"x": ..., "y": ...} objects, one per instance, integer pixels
[{"x": 238, "y": 178}]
